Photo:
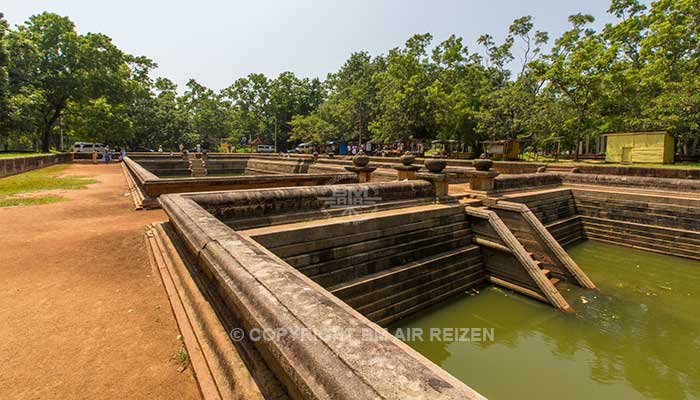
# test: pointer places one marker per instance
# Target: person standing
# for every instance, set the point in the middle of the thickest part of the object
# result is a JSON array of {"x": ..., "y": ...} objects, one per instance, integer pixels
[
  {"x": 181, "y": 147},
  {"x": 199, "y": 148},
  {"x": 160, "y": 148}
]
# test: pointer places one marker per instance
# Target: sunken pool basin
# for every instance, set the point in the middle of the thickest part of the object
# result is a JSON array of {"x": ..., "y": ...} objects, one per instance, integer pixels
[{"x": 638, "y": 338}]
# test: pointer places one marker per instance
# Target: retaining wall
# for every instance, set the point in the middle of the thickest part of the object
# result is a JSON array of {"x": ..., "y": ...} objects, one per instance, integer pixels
[
  {"x": 17, "y": 165},
  {"x": 666, "y": 223},
  {"x": 341, "y": 354}
]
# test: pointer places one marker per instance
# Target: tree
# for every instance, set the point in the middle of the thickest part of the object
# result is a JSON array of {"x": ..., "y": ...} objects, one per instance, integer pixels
[
  {"x": 45, "y": 68},
  {"x": 352, "y": 99},
  {"x": 209, "y": 115},
  {"x": 402, "y": 88},
  {"x": 4, "y": 84},
  {"x": 455, "y": 93},
  {"x": 574, "y": 71}
]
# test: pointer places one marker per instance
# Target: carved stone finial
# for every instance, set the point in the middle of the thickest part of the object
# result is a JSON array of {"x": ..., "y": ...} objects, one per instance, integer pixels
[
  {"x": 435, "y": 165},
  {"x": 360, "y": 159},
  {"x": 482, "y": 163},
  {"x": 407, "y": 158}
]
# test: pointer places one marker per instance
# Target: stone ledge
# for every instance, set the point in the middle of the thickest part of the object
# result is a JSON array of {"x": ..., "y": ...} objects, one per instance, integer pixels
[
  {"x": 266, "y": 293},
  {"x": 17, "y": 165}
]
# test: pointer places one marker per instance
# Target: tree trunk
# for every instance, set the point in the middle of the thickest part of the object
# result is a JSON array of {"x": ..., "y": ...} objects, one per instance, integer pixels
[
  {"x": 578, "y": 147},
  {"x": 46, "y": 133},
  {"x": 46, "y": 139}
]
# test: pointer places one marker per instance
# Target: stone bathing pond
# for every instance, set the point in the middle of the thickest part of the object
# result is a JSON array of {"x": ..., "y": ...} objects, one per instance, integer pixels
[
  {"x": 639, "y": 338},
  {"x": 580, "y": 283}
]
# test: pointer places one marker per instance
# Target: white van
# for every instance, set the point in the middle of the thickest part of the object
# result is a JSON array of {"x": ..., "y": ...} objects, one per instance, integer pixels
[
  {"x": 265, "y": 148},
  {"x": 87, "y": 147},
  {"x": 305, "y": 148}
]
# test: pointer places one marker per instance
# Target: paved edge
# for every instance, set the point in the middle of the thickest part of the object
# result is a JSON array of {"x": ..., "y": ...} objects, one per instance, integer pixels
[{"x": 217, "y": 365}]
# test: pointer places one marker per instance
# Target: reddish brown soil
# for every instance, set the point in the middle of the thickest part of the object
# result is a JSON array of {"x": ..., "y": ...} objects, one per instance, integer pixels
[{"x": 82, "y": 313}]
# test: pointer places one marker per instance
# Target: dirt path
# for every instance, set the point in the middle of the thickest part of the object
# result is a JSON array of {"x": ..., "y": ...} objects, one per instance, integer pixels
[{"x": 82, "y": 313}]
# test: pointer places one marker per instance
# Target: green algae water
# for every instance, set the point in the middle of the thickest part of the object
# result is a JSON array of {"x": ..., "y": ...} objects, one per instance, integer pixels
[{"x": 636, "y": 338}]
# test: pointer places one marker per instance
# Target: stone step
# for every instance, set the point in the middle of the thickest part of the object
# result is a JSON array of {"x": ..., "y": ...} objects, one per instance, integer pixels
[
  {"x": 417, "y": 289},
  {"x": 554, "y": 280},
  {"x": 283, "y": 235},
  {"x": 384, "y": 279},
  {"x": 644, "y": 244},
  {"x": 387, "y": 241},
  {"x": 295, "y": 249},
  {"x": 371, "y": 263},
  {"x": 407, "y": 307}
]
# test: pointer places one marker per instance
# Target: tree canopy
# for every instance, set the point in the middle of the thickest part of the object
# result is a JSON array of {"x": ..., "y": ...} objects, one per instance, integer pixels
[{"x": 639, "y": 73}]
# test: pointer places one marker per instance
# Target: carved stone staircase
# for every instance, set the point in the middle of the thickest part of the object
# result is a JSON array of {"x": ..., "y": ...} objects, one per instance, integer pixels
[
  {"x": 198, "y": 166},
  {"x": 521, "y": 255}
]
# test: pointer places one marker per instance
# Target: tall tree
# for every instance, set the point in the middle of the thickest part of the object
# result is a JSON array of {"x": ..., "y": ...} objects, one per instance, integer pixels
[
  {"x": 4, "y": 85},
  {"x": 404, "y": 111}
]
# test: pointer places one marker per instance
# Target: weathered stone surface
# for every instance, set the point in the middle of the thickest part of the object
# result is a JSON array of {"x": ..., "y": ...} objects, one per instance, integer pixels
[
  {"x": 17, "y": 165},
  {"x": 435, "y": 165},
  {"x": 526, "y": 181},
  {"x": 636, "y": 182},
  {"x": 341, "y": 356}
]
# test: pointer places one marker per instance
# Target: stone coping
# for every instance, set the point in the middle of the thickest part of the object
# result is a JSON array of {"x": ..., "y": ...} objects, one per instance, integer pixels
[
  {"x": 154, "y": 186},
  {"x": 17, "y": 165},
  {"x": 266, "y": 202},
  {"x": 508, "y": 183},
  {"x": 458, "y": 165},
  {"x": 340, "y": 355}
]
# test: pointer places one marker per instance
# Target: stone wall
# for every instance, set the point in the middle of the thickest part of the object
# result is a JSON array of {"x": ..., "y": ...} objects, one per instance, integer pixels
[
  {"x": 663, "y": 223},
  {"x": 387, "y": 265},
  {"x": 556, "y": 209},
  {"x": 17, "y": 165},
  {"x": 251, "y": 208},
  {"x": 333, "y": 351},
  {"x": 503, "y": 183},
  {"x": 634, "y": 182},
  {"x": 667, "y": 223}
]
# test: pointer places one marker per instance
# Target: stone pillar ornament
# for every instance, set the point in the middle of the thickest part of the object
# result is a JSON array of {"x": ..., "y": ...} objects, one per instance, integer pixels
[
  {"x": 361, "y": 167},
  {"x": 481, "y": 179},
  {"x": 406, "y": 171},
  {"x": 435, "y": 175}
]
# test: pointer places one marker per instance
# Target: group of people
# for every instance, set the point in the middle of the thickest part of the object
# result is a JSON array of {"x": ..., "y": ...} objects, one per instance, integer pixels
[
  {"x": 181, "y": 147},
  {"x": 108, "y": 155}
]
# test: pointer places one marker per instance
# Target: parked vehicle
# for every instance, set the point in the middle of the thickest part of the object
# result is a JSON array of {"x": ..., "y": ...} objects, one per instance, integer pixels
[
  {"x": 265, "y": 148},
  {"x": 305, "y": 148},
  {"x": 87, "y": 147}
]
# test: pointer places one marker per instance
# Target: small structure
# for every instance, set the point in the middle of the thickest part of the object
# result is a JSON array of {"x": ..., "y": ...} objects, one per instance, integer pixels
[
  {"x": 406, "y": 171},
  {"x": 482, "y": 179},
  {"x": 445, "y": 148},
  {"x": 360, "y": 166},
  {"x": 639, "y": 147},
  {"x": 503, "y": 150}
]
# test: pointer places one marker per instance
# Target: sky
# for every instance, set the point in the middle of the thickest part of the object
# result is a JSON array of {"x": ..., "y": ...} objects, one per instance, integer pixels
[{"x": 217, "y": 42}]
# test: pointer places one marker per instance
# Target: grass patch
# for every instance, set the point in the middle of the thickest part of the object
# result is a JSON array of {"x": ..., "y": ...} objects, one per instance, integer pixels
[
  {"x": 6, "y": 201},
  {"x": 48, "y": 178}
]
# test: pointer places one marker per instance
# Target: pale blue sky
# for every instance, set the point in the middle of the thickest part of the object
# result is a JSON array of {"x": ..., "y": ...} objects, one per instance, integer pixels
[{"x": 217, "y": 42}]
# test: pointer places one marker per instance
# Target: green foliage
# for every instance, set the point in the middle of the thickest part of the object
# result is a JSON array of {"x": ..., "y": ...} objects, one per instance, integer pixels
[{"x": 640, "y": 72}]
